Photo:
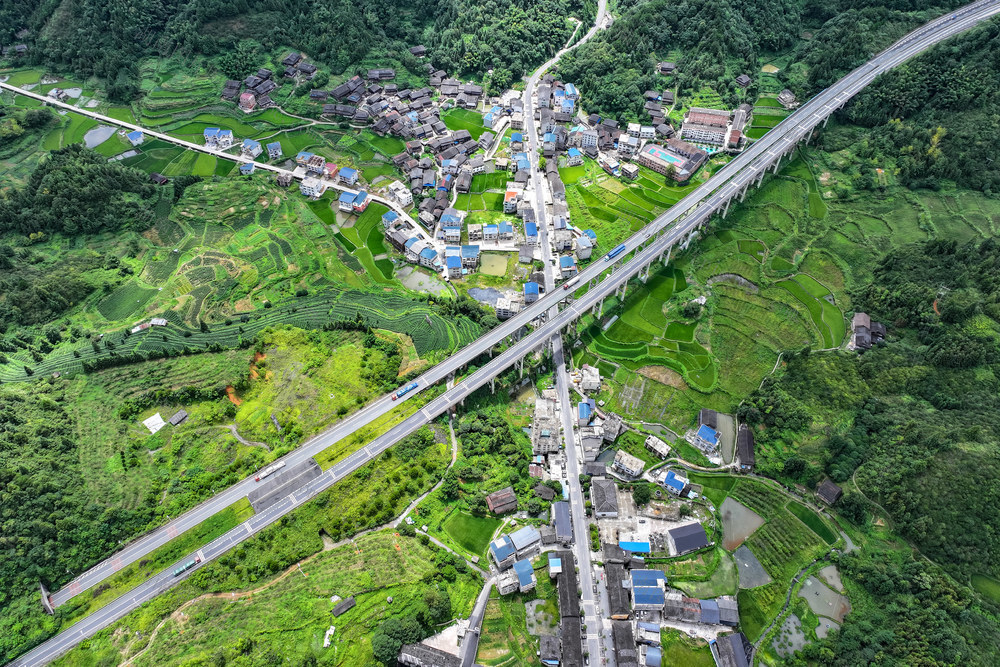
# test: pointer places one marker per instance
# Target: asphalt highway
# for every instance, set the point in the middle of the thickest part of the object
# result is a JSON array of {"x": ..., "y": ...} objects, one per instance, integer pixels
[{"x": 648, "y": 245}]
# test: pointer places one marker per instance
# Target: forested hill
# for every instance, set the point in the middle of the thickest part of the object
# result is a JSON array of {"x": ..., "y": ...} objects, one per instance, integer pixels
[
  {"x": 94, "y": 37},
  {"x": 936, "y": 115},
  {"x": 719, "y": 39},
  {"x": 913, "y": 423}
]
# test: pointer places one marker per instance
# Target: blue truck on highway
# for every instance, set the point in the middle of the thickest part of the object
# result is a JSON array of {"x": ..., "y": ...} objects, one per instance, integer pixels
[
  {"x": 404, "y": 391},
  {"x": 614, "y": 253}
]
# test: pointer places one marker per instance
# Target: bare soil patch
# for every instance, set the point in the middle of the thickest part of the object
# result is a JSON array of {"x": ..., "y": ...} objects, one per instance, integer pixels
[
  {"x": 231, "y": 395},
  {"x": 664, "y": 375}
]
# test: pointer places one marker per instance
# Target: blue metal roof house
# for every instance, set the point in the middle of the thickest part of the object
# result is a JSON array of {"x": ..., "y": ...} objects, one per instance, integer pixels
[
  {"x": 453, "y": 262},
  {"x": 585, "y": 412},
  {"x": 274, "y": 149},
  {"x": 566, "y": 262},
  {"x": 525, "y": 574},
  {"x": 531, "y": 289},
  {"x": 389, "y": 217},
  {"x": 346, "y": 198},
  {"x": 531, "y": 229},
  {"x": 574, "y": 152},
  {"x": 708, "y": 434},
  {"x": 648, "y": 597},
  {"x": 525, "y": 537},
  {"x": 517, "y": 137},
  {"x": 673, "y": 482},
  {"x": 247, "y": 168},
  {"x": 654, "y": 657},
  {"x": 409, "y": 243},
  {"x": 635, "y": 547},
  {"x": 648, "y": 578},
  {"x": 502, "y": 548},
  {"x": 506, "y": 227},
  {"x": 591, "y": 233},
  {"x": 549, "y": 138},
  {"x": 211, "y": 133},
  {"x": 428, "y": 255},
  {"x": 710, "y": 612},
  {"x": 136, "y": 137}
]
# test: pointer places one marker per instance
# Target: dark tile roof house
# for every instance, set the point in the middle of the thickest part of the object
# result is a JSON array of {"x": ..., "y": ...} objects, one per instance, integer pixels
[
  {"x": 743, "y": 80},
  {"x": 421, "y": 655},
  {"x": 732, "y": 651},
  {"x": 745, "y": 447},
  {"x": 502, "y": 501},
  {"x": 561, "y": 520},
  {"x": 344, "y": 606},
  {"x": 626, "y": 653},
  {"x": 292, "y": 59},
  {"x": 570, "y": 642},
  {"x": 604, "y": 497},
  {"x": 291, "y": 72},
  {"x": 418, "y": 50},
  {"x": 178, "y": 417},
  {"x": 548, "y": 650},
  {"x": 688, "y": 537},
  {"x": 318, "y": 95},
  {"x": 159, "y": 179},
  {"x": 620, "y": 606},
  {"x": 545, "y": 492},
  {"x": 307, "y": 68},
  {"x": 708, "y": 417},
  {"x": 829, "y": 492},
  {"x": 264, "y": 73}
]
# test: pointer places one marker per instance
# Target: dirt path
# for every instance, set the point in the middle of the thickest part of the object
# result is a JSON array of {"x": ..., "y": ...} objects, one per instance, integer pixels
[{"x": 249, "y": 443}]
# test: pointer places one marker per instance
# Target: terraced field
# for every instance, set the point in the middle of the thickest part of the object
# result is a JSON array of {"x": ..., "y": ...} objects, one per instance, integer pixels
[
  {"x": 775, "y": 275},
  {"x": 615, "y": 209}
]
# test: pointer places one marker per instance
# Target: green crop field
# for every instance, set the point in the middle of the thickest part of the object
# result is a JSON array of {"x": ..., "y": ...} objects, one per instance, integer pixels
[
  {"x": 472, "y": 532},
  {"x": 813, "y": 520},
  {"x": 464, "y": 119},
  {"x": 773, "y": 282}
]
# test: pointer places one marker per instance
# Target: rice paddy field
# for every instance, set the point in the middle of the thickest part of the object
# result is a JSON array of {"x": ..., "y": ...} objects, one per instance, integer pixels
[
  {"x": 783, "y": 545},
  {"x": 241, "y": 255},
  {"x": 776, "y": 276},
  {"x": 613, "y": 208}
]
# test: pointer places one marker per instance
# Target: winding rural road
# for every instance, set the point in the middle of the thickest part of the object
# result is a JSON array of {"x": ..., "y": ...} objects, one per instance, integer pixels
[{"x": 645, "y": 247}]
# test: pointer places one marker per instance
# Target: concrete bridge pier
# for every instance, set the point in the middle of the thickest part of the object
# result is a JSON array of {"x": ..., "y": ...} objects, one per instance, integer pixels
[
  {"x": 760, "y": 177},
  {"x": 666, "y": 260},
  {"x": 520, "y": 367},
  {"x": 493, "y": 385},
  {"x": 598, "y": 309},
  {"x": 743, "y": 193},
  {"x": 725, "y": 209}
]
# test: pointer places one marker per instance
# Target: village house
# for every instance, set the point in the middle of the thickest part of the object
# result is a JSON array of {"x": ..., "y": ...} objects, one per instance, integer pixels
[
  {"x": 604, "y": 498},
  {"x": 346, "y": 202},
  {"x": 361, "y": 201},
  {"x": 312, "y": 186},
  {"x": 348, "y": 176},
  {"x": 248, "y": 102},
  {"x": 745, "y": 448},
  {"x": 135, "y": 138},
  {"x": 657, "y": 446},
  {"x": 251, "y": 148},
  {"x": 502, "y": 501},
  {"x": 627, "y": 465},
  {"x": 274, "y": 150}
]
